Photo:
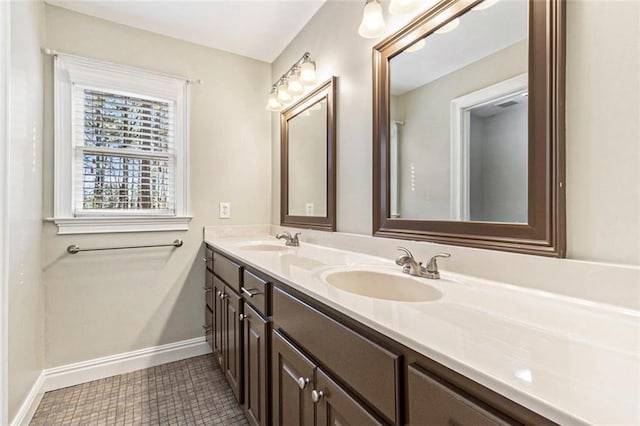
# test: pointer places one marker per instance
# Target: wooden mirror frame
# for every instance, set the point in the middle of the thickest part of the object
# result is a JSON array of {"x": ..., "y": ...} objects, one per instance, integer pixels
[
  {"x": 544, "y": 234},
  {"x": 328, "y": 222}
]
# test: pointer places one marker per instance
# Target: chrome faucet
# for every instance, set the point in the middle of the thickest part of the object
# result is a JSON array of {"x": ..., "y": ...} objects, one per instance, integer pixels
[
  {"x": 412, "y": 267},
  {"x": 289, "y": 240},
  {"x": 409, "y": 264}
]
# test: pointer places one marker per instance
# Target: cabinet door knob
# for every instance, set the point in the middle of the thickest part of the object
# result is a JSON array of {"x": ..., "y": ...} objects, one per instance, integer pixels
[
  {"x": 206, "y": 259},
  {"x": 243, "y": 316},
  {"x": 207, "y": 328},
  {"x": 302, "y": 382},
  {"x": 316, "y": 395},
  {"x": 222, "y": 296},
  {"x": 207, "y": 289}
]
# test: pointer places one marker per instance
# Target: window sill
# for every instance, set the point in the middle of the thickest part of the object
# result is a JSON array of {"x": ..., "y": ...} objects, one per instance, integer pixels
[{"x": 107, "y": 225}]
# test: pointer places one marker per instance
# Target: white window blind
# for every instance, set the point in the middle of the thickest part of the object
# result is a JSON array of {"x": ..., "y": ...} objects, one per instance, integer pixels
[
  {"x": 124, "y": 153},
  {"x": 121, "y": 148}
]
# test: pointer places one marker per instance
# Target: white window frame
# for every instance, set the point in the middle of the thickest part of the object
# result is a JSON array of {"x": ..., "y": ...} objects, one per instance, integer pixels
[{"x": 73, "y": 70}]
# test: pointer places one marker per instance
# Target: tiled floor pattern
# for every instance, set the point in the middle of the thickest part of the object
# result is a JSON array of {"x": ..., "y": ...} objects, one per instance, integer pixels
[{"x": 188, "y": 392}]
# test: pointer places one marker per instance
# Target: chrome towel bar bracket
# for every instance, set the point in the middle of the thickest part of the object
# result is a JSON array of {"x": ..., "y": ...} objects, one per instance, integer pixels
[{"x": 74, "y": 248}]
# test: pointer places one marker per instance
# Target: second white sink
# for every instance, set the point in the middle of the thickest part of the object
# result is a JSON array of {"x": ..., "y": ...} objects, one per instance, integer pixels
[{"x": 381, "y": 285}]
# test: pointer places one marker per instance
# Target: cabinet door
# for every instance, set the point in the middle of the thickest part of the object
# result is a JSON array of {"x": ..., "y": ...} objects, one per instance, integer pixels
[
  {"x": 435, "y": 402},
  {"x": 336, "y": 407},
  {"x": 208, "y": 326},
  {"x": 232, "y": 343},
  {"x": 218, "y": 319},
  {"x": 292, "y": 376},
  {"x": 208, "y": 288},
  {"x": 256, "y": 390}
]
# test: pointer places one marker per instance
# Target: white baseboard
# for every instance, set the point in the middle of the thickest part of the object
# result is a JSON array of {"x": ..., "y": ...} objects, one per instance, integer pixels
[
  {"x": 30, "y": 404},
  {"x": 99, "y": 368}
]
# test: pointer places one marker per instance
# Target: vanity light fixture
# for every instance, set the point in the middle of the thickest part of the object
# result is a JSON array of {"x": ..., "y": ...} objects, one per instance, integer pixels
[
  {"x": 484, "y": 5},
  {"x": 273, "y": 104},
  {"x": 404, "y": 7},
  {"x": 372, "y": 25},
  {"x": 448, "y": 27},
  {"x": 291, "y": 83}
]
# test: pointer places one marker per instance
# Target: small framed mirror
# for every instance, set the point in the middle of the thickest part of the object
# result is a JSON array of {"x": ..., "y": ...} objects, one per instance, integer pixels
[
  {"x": 469, "y": 127},
  {"x": 308, "y": 156}
]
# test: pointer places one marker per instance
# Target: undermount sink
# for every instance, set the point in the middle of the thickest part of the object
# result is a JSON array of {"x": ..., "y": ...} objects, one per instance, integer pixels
[
  {"x": 383, "y": 285},
  {"x": 263, "y": 247}
]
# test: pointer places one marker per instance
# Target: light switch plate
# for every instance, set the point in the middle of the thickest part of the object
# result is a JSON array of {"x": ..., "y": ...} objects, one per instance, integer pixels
[{"x": 224, "y": 210}]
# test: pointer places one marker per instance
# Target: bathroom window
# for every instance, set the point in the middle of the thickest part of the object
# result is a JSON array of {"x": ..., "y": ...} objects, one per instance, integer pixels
[{"x": 121, "y": 148}]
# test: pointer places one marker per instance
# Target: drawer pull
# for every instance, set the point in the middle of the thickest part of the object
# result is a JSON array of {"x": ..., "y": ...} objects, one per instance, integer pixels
[
  {"x": 250, "y": 292},
  {"x": 207, "y": 328},
  {"x": 316, "y": 395},
  {"x": 302, "y": 382},
  {"x": 243, "y": 316}
]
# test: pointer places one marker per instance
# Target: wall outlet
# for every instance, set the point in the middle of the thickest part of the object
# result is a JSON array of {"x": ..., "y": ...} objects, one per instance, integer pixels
[
  {"x": 308, "y": 208},
  {"x": 224, "y": 210}
]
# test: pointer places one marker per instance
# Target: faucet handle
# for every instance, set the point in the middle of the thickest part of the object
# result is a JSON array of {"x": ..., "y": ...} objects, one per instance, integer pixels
[
  {"x": 432, "y": 266},
  {"x": 405, "y": 251}
]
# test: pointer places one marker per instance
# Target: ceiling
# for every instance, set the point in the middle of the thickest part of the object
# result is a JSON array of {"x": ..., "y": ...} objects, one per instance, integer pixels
[
  {"x": 479, "y": 34},
  {"x": 259, "y": 29}
]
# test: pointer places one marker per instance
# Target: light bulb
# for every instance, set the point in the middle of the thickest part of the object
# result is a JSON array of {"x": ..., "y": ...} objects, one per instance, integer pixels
[
  {"x": 416, "y": 46},
  {"x": 294, "y": 87},
  {"x": 449, "y": 26},
  {"x": 403, "y": 7},
  {"x": 372, "y": 25},
  {"x": 484, "y": 5},
  {"x": 308, "y": 73},
  {"x": 283, "y": 96}
]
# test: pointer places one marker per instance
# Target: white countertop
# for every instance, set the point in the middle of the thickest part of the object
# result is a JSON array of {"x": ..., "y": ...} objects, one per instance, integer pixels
[{"x": 569, "y": 360}]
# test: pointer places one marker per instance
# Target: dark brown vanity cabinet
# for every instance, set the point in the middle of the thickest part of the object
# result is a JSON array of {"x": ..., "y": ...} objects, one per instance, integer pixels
[
  {"x": 303, "y": 394},
  {"x": 291, "y": 360},
  {"x": 240, "y": 334}
]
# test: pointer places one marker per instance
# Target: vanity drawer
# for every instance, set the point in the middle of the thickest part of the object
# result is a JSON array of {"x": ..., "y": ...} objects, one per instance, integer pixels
[
  {"x": 208, "y": 257},
  {"x": 229, "y": 271},
  {"x": 256, "y": 291},
  {"x": 369, "y": 369}
]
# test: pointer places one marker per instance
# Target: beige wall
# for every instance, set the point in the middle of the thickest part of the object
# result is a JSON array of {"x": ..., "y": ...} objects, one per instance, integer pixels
[
  {"x": 25, "y": 203},
  {"x": 603, "y": 119},
  {"x": 103, "y": 303}
]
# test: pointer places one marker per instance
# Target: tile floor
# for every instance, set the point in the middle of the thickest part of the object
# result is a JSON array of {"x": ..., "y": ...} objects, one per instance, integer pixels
[{"x": 188, "y": 392}]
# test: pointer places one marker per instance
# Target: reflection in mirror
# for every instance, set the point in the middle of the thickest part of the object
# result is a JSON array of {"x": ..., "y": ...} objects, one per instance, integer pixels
[
  {"x": 308, "y": 182},
  {"x": 308, "y": 161},
  {"x": 458, "y": 126}
]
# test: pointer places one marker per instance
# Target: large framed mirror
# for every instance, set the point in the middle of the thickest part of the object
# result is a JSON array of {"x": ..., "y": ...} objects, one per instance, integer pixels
[
  {"x": 469, "y": 127},
  {"x": 307, "y": 161}
]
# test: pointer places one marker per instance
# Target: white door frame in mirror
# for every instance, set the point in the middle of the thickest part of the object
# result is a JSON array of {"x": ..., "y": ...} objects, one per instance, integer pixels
[{"x": 460, "y": 135}]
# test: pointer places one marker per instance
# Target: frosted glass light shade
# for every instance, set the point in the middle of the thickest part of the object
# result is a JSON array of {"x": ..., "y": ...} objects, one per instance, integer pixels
[
  {"x": 372, "y": 25},
  {"x": 295, "y": 87},
  {"x": 283, "y": 96},
  {"x": 273, "y": 104},
  {"x": 308, "y": 73},
  {"x": 403, "y": 7}
]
